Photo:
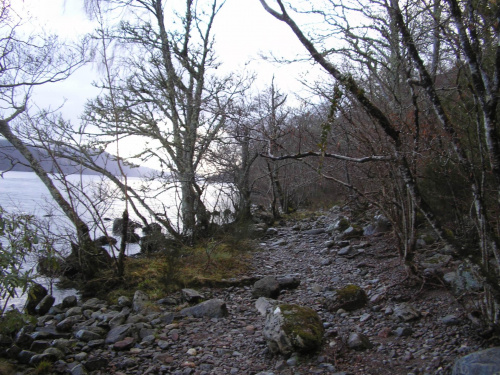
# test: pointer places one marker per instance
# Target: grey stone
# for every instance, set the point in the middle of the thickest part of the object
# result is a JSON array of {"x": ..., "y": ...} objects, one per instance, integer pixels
[
  {"x": 78, "y": 369},
  {"x": 464, "y": 279},
  {"x": 39, "y": 345},
  {"x": 265, "y": 305},
  {"x": 352, "y": 233},
  {"x": 450, "y": 320},
  {"x": 271, "y": 232},
  {"x": 380, "y": 224},
  {"x": 124, "y": 301},
  {"x": 25, "y": 356},
  {"x": 484, "y": 362},
  {"x": 119, "y": 319},
  {"x": 67, "y": 324},
  {"x": 350, "y": 298},
  {"x": 346, "y": 251},
  {"x": 77, "y": 310},
  {"x": 35, "y": 295},
  {"x": 266, "y": 287},
  {"x": 81, "y": 356},
  {"x": 120, "y": 332},
  {"x": 403, "y": 331},
  {"x": 436, "y": 261},
  {"x": 140, "y": 300},
  {"x": 56, "y": 353},
  {"x": 288, "y": 281},
  {"x": 214, "y": 308},
  {"x": 406, "y": 312},
  {"x": 315, "y": 231},
  {"x": 69, "y": 301},
  {"x": 93, "y": 304},
  {"x": 293, "y": 328},
  {"x": 45, "y": 304},
  {"x": 85, "y": 335},
  {"x": 358, "y": 341},
  {"x": 191, "y": 295}
]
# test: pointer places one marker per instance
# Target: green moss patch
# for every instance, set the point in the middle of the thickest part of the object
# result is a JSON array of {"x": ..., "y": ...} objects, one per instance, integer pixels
[
  {"x": 350, "y": 298},
  {"x": 303, "y": 326}
]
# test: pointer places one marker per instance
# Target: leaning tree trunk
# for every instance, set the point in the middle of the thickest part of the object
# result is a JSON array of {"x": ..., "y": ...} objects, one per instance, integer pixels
[{"x": 87, "y": 250}]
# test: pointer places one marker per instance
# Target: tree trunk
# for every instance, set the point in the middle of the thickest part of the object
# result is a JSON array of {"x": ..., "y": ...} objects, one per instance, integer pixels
[{"x": 87, "y": 249}]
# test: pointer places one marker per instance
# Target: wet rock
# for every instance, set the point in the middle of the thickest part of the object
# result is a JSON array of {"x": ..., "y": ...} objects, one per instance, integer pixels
[
  {"x": 293, "y": 328},
  {"x": 484, "y": 362},
  {"x": 214, "y": 308}
]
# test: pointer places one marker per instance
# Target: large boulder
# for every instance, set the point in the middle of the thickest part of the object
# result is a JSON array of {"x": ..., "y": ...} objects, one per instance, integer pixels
[
  {"x": 214, "y": 308},
  {"x": 293, "y": 328},
  {"x": 350, "y": 298},
  {"x": 484, "y": 362}
]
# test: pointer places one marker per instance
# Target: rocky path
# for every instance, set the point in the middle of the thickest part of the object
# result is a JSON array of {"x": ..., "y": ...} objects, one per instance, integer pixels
[{"x": 164, "y": 342}]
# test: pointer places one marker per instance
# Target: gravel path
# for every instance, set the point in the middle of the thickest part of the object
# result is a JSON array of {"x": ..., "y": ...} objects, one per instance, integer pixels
[{"x": 235, "y": 344}]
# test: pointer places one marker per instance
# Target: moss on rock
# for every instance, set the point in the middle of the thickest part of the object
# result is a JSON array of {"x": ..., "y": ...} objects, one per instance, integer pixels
[
  {"x": 303, "y": 326},
  {"x": 351, "y": 297}
]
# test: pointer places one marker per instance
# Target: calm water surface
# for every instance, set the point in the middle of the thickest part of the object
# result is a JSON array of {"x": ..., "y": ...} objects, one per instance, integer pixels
[{"x": 23, "y": 192}]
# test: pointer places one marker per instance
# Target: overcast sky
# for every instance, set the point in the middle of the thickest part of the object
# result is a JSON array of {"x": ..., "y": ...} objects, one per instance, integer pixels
[{"x": 243, "y": 31}]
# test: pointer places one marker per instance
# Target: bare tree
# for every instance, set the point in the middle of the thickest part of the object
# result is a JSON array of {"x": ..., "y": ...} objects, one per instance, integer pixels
[
  {"x": 171, "y": 95},
  {"x": 27, "y": 61}
]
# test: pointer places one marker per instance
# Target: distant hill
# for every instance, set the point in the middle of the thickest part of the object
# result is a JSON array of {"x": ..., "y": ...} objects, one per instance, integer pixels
[{"x": 11, "y": 159}]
